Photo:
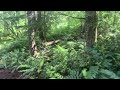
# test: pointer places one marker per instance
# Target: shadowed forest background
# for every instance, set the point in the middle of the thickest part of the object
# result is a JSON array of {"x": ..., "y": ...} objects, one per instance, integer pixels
[{"x": 59, "y": 45}]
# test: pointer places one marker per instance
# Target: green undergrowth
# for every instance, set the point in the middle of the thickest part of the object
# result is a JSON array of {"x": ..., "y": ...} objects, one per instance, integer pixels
[{"x": 66, "y": 60}]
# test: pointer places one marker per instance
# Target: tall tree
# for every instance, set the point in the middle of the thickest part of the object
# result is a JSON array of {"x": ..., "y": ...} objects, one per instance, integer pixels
[
  {"x": 42, "y": 25},
  {"x": 32, "y": 18},
  {"x": 91, "y": 21}
]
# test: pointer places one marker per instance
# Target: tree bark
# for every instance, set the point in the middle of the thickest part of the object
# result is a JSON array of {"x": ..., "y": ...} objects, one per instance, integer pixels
[
  {"x": 91, "y": 21},
  {"x": 32, "y": 17},
  {"x": 42, "y": 27}
]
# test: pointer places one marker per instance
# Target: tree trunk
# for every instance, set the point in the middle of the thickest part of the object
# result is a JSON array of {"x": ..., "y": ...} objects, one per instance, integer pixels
[
  {"x": 42, "y": 27},
  {"x": 32, "y": 17},
  {"x": 91, "y": 21}
]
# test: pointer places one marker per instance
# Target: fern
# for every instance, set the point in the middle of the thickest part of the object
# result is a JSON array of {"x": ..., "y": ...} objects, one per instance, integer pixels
[
  {"x": 25, "y": 66},
  {"x": 108, "y": 74},
  {"x": 106, "y": 63},
  {"x": 31, "y": 67},
  {"x": 74, "y": 74},
  {"x": 92, "y": 73}
]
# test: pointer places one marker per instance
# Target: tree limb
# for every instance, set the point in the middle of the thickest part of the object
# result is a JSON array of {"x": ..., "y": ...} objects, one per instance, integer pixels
[{"x": 70, "y": 16}]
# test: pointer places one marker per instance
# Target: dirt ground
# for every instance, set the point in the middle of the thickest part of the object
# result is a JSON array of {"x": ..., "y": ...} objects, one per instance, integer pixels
[{"x": 8, "y": 74}]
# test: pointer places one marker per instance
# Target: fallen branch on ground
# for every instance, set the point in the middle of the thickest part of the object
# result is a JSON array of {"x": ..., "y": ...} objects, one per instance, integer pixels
[{"x": 51, "y": 42}]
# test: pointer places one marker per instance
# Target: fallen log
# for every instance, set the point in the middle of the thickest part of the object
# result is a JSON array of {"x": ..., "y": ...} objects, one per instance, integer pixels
[{"x": 51, "y": 42}]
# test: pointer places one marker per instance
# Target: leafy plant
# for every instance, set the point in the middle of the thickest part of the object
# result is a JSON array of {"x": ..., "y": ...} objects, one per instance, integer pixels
[
  {"x": 73, "y": 74},
  {"x": 91, "y": 73},
  {"x": 32, "y": 67},
  {"x": 107, "y": 74}
]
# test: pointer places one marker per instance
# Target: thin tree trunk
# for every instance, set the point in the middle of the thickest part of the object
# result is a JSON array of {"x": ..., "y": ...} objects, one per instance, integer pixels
[
  {"x": 91, "y": 21},
  {"x": 42, "y": 27},
  {"x": 96, "y": 34},
  {"x": 44, "y": 32}
]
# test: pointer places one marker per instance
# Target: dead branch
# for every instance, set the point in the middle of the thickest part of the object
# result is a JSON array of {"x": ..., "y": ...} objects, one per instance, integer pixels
[{"x": 51, "y": 42}]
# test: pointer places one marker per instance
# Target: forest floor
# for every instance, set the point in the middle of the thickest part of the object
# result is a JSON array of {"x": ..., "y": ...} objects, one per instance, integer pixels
[{"x": 8, "y": 74}]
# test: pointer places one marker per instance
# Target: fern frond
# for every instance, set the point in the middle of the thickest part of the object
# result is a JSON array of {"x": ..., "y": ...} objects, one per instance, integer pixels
[
  {"x": 74, "y": 74},
  {"x": 93, "y": 71},
  {"x": 109, "y": 74}
]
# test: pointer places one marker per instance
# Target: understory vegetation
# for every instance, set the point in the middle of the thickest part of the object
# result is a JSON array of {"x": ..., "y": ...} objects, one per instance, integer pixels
[{"x": 60, "y": 39}]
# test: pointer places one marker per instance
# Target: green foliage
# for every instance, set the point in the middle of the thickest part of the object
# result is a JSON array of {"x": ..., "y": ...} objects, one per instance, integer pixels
[
  {"x": 20, "y": 60},
  {"x": 68, "y": 59},
  {"x": 50, "y": 72},
  {"x": 107, "y": 74},
  {"x": 65, "y": 25},
  {"x": 91, "y": 74},
  {"x": 19, "y": 43},
  {"x": 11, "y": 21},
  {"x": 74, "y": 74},
  {"x": 32, "y": 67}
]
